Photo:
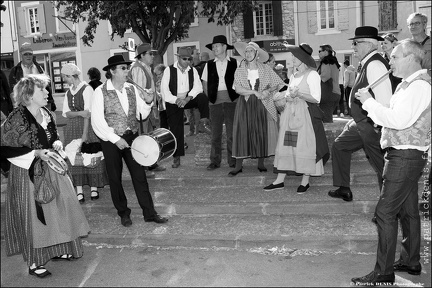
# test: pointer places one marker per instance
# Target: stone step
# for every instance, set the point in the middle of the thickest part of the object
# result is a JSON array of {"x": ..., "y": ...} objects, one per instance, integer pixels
[{"x": 332, "y": 232}]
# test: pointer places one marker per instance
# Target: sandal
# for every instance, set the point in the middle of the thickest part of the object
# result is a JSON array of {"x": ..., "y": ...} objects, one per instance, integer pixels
[
  {"x": 39, "y": 271},
  {"x": 94, "y": 195},
  {"x": 65, "y": 257},
  {"x": 80, "y": 197}
]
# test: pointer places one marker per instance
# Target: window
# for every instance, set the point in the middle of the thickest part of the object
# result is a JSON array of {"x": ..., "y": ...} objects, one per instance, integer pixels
[
  {"x": 31, "y": 19},
  {"x": 263, "y": 18},
  {"x": 387, "y": 15},
  {"x": 326, "y": 15}
]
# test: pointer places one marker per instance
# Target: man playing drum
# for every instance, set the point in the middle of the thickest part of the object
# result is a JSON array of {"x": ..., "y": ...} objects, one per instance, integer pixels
[{"x": 117, "y": 106}]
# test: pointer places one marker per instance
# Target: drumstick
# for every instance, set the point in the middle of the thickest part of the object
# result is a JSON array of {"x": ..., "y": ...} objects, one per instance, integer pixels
[{"x": 375, "y": 83}]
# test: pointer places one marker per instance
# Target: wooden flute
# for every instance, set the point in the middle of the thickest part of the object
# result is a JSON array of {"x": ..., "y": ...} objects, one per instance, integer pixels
[{"x": 376, "y": 82}]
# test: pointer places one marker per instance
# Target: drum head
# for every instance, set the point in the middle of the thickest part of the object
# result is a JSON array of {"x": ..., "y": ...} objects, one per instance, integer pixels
[{"x": 145, "y": 150}]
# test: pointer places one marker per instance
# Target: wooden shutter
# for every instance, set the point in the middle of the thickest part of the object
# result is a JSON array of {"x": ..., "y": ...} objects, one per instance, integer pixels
[
  {"x": 22, "y": 20},
  {"x": 249, "y": 32},
  {"x": 387, "y": 15},
  {"x": 277, "y": 18},
  {"x": 41, "y": 18},
  {"x": 343, "y": 15},
  {"x": 312, "y": 16}
]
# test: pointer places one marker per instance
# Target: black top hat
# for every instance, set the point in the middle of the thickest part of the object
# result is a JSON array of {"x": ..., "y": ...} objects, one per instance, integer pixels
[
  {"x": 367, "y": 32},
  {"x": 115, "y": 60},
  {"x": 219, "y": 39}
]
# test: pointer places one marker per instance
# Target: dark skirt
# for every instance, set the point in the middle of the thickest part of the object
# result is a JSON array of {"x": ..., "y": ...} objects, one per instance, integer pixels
[
  {"x": 94, "y": 177},
  {"x": 254, "y": 131}
]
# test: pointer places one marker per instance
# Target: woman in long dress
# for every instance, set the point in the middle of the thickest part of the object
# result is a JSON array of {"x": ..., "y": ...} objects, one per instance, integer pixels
[
  {"x": 302, "y": 147},
  {"x": 76, "y": 108},
  {"x": 40, "y": 232},
  {"x": 255, "y": 120}
]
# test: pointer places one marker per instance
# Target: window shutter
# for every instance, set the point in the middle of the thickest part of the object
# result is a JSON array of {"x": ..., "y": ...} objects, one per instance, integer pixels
[
  {"x": 21, "y": 11},
  {"x": 387, "y": 15},
  {"x": 248, "y": 24},
  {"x": 312, "y": 16},
  {"x": 342, "y": 14},
  {"x": 41, "y": 18},
  {"x": 277, "y": 18}
]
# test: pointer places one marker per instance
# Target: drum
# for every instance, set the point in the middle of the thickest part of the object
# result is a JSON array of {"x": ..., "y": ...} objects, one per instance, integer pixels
[
  {"x": 153, "y": 147},
  {"x": 57, "y": 163}
]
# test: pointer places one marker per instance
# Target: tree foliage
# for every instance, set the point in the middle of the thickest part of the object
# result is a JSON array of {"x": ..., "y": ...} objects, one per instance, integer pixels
[{"x": 157, "y": 22}]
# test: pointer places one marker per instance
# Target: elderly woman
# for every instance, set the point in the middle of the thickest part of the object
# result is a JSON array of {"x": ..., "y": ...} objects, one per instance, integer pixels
[
  {"x": 255, "y": 120},
  {"x": 39, "y": 232},
  {"x": 76, "y": 108},
  {"x": 302, "y": 146}
]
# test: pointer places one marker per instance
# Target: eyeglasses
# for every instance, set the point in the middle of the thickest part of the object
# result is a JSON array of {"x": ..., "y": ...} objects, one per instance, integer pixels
[
  {"x": 124, "y": 67},
  {"x": 27, "y": 54},
  {"x": 151, "y": 53},
  {"x": 187, "y": 58},
  {"x": 414, "y": 24},
  {"x": 355, "y": 43}
]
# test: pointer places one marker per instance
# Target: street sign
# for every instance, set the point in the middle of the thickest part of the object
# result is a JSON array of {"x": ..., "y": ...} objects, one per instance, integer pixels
[{"x": 131, "y": 49}]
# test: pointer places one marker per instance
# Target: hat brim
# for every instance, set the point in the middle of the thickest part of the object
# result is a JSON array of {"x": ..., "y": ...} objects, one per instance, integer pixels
[
  {"x": 209, "y": 46},
  {"x": 151, "y": 50},
  {"x": 379, "y": 38},
  {"x": 301, "y": 55},
  {"x": 115, "y": 64},
  {"x": 241, "y": 47}
]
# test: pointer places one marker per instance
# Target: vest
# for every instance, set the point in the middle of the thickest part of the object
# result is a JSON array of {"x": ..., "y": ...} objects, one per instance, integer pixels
[
  {"x": 115, "y": 116},
  {"x": 148, "y": 76},
  {"x": 417, "y": 134},
  {"x": 173, "y": 79},
  {"x": 77, "y": 104},
  {"x": 357, "y": 111},
  {"x": 213, "y": 80}
]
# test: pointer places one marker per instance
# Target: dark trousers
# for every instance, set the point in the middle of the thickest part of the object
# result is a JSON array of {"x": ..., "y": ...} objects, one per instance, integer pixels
[
  {"x": 341, "y": 101},
  {"x": 354, "y": 137},
  {"x": 175, "y": 119},
  {"x": 399, "y": 196},
  {"x": 220, "y": 114},
  {"x": 114, "y": 166},
  {"x": 328, "y": 106},
  {"x": 347, "y": 95},
  {"x": 163, "y": 119}
]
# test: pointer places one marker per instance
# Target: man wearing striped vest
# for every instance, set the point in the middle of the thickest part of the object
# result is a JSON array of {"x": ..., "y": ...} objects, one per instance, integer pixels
[{"x": 406, "y": 140}]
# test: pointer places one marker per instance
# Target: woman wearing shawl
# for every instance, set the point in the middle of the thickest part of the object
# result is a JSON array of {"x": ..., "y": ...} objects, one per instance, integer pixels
[
  {"x": 255, "y": 120},
  {"x": 302, "y": 147},
  {"x": 40, "y": 232}
]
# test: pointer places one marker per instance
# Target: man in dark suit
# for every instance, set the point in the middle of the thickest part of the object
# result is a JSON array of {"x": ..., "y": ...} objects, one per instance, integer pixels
[
  {"x": 361, "y": 131},
  {"x": 218, "y": 79}
]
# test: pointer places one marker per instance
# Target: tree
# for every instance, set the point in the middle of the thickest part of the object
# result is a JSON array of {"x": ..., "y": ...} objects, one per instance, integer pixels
[{"x": 157, "y": 22}]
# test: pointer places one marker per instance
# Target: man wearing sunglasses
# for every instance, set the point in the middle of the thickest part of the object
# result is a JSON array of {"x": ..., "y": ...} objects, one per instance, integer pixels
[
  {"x": 361, "y": 131},
  {"x": 181, "y": 89},
  {"x": 141, "y": 73},
  {"x": 27, "y": 66},
  {"x": 417, "y": 23}
]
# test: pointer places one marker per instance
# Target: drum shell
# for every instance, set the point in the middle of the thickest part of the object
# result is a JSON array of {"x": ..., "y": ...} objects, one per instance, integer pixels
[{"x": 153, "y": 147}]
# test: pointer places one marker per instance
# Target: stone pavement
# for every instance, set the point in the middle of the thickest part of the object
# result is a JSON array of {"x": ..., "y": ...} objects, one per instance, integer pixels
[{"x": 209, "y": 210}]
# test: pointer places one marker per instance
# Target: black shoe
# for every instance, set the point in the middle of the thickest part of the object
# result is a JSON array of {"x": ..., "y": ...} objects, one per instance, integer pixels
[
  {"x": 94, "y": 195},
  {"x": 81, "y": 198},
  {"x": 373, "y": 278},
  {"x": 40, "y": 275},
  {"x": 274, "y": 187},
  {"x": 262, "y": 169},
  {"x": 126, "y": 221},
  {"x": 234, "y": 173},
  {"x": 398, "y": 266},
  {"x": 64, "y": 257},
  {"x": 342, "y": 192},
  {"x": 156, "y": 168},
  {"x": 176, "y": 162},
  {"x": 302, "y": 189},
  {"x": 157, "y": 219},
  {"x": 212, "y": 166}
]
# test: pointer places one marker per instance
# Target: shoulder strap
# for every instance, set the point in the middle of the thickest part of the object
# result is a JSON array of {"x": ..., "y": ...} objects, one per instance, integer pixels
[{"x": 425, "y": 40}]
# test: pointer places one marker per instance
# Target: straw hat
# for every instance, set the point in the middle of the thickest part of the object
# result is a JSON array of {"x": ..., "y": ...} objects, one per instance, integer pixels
[
  {"x": 241, "y": 47},
  {"x": 303, "y": 53}
]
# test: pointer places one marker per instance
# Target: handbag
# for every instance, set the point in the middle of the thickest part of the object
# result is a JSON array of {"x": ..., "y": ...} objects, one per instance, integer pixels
[{"x": 44, "y": 191}]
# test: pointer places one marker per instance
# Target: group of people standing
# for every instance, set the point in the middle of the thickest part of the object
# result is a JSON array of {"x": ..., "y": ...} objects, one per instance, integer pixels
[{"x": 261, "y": 120}]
